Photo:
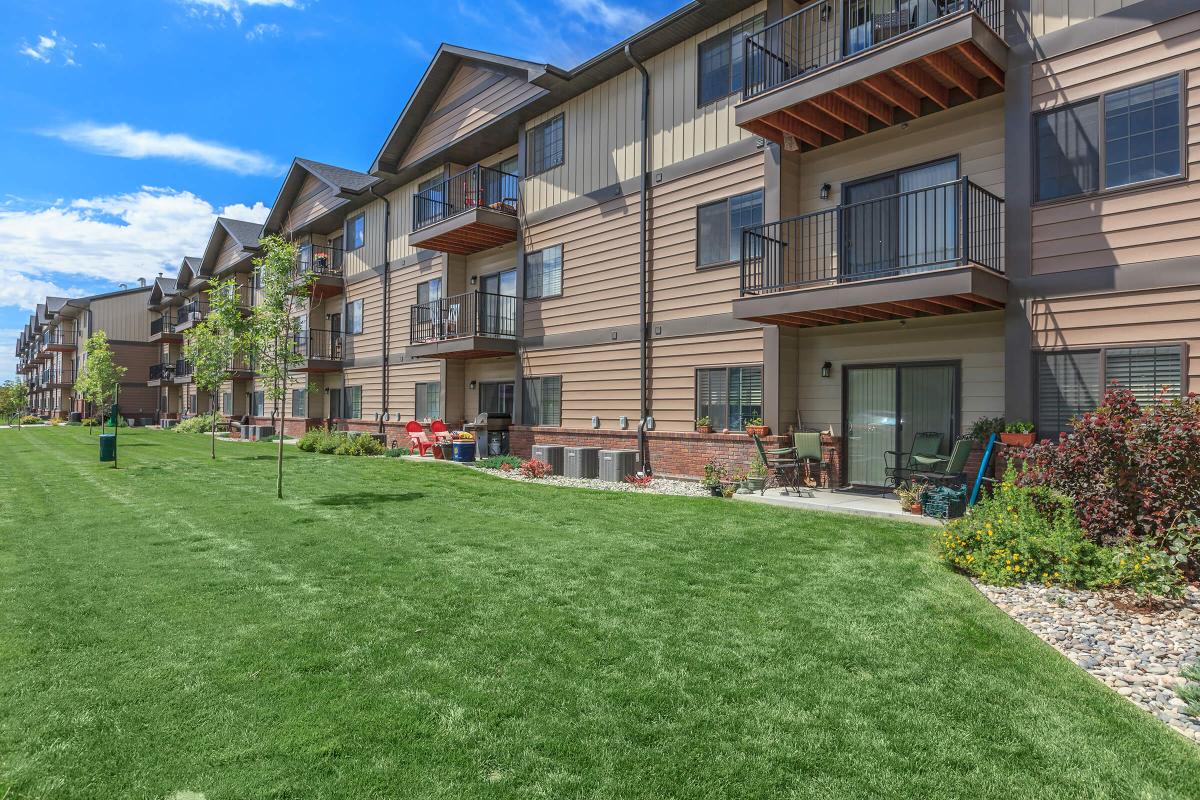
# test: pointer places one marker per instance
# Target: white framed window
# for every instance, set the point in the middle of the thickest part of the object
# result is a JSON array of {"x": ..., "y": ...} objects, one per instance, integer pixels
[
  {"x": 542, "y": 400},
  {"x": 719, "y": 227}
]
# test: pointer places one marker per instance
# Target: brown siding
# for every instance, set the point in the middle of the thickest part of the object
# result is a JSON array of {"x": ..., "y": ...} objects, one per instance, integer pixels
[
  {"x": 314, "y": 199},
  {"x": 122, "y": 317},
  {"x": 1132, "y": 225},
  {"x": 231, "y": 253}
]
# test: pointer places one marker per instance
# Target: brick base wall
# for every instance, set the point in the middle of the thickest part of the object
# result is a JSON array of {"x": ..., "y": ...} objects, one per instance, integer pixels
[{"x": 670, "y": 453}]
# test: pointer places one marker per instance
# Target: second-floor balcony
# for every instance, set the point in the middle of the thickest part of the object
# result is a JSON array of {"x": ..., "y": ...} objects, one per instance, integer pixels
[
  {"x": 472, "y": 211},
  {"x": 927, "y": 252},
  {"x": 319, "y": 350},
  {"x": 189, "y": 314},
  {"x": 58, "y": 378},
  {"x": 183, "y": 371},
  {"x": 163, "y": 330},
  {"x": 157, "y": 372},
  {"x": 835, "y": 70},
  {"x": 470, "y": 325}
]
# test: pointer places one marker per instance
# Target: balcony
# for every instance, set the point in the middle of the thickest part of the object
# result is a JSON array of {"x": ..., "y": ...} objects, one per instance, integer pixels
[
  {"x": 241, "y": 369},
  {"x": 320, "y": 350},
  {"x": 319, "y": 268},
  {"x": 189, "y": 314},
  {"x": 471, "y": 325},
  {"x": 59, "y": 379},
  {"x": 60, "y": 341},
  {"x": 473, "y": 211},
  {"x": 158, "y": 372},
  {"x": 163, "y": 330},
  {"x": 927, "y": 252},
  {"x": 832, "y": 71},
  {"x": 183, "y": 371}
]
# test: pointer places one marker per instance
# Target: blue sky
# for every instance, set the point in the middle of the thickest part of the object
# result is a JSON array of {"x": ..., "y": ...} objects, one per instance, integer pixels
[{"x": 128, "y": 126}]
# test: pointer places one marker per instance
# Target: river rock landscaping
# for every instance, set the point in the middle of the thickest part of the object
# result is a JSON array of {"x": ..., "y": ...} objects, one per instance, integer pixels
[
  {"x": 1138, "y": 653},
  {"x": 656, "y": 486}
]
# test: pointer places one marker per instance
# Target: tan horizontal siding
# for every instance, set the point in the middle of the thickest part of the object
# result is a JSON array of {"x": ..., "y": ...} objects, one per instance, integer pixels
[
  {"x": 402, "y": 379},
  {"x": 230, "y": 252},
  {"x": 314, "y": 199},
  {"x": 369, "y": 343},
  {"x": 1047, "y": 16}
]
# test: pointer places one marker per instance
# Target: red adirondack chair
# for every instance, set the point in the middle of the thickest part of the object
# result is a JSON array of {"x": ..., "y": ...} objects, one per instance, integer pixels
[
  {"x": 440, "y": 431},
  {"x": 417, "y": 438}
]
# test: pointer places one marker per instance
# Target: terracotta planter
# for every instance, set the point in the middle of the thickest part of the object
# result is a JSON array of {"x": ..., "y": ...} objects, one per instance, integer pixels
[
  {"x": 915, "y": 508},
  {"x": 758, "y": 430},
  {"x": 1018, "y": 439},
  {"x": 704, "y": 429}
]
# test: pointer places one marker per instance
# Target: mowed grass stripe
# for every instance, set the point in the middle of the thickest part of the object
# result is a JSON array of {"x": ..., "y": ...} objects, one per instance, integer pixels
[{"x": 418, "y": 630}]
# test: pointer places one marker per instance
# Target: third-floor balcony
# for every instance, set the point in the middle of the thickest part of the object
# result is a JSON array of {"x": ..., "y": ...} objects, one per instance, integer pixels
[
  {"x": 319, "y": 267},
  {"x": 319, "y": 350},
  {"x": 163, "y": 330},
  {"x": 472, "y": 211},
  {"x": 834, "y": 70},
  {"x": 470, "y": 325},
  {"x": 60, "y": 341},
  {"x": 927, "y": 252},
  {"x": 190, "y": 313}
]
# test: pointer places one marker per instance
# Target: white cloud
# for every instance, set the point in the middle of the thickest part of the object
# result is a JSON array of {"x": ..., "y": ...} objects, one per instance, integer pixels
[
  {"x": 261, "y": 31},
  {"x": 611, "y": 16},
  {"x": 114, "y": 239},
  {"x": 413, "y": 46},
  {"x": 8, "y": 359},
  {"x": 234, "y": 8},
  {"x": 49, "y": 48},
  {"x": 124, "y": 141}
]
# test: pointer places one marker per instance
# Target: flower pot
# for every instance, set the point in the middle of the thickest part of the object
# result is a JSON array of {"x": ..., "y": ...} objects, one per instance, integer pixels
[
  {"x": 915, "y": 508},
  {"x": 704, "y": 429},
  {"x": 716, "y": 490},
  {"x": 758, "y": 430},
  {"x": 1017, "y": 439},
  {"x": 755, "y": 484}
]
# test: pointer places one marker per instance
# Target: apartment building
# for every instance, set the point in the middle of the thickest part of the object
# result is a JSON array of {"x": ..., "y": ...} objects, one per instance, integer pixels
[
  {"x": 873, "y": 218},
  {"x": 51, "y": 351}
]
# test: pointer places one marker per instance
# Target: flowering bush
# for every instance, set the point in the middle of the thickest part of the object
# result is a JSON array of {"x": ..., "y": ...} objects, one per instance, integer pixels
[
  {"x": 644, "y": 479},
  {"x": 1133, "y": 472},
  {"x": 30, "y": 419},
  {"x": 1144, "y": 569},
  {"x": 536, "y": 469}
]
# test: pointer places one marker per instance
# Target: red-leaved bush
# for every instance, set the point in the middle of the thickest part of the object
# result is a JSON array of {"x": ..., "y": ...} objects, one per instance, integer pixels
[
  {"x": 1132, "y": 471},
  {"x": 536, "y": 469}
]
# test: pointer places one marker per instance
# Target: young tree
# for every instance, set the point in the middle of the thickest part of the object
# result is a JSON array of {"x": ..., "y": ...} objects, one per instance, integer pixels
[
  {"x": 276, "y": 337},
  {"x": 215, "y": 342},
  {"x": 100, "y": 377},
  {"x": 14, "y": 396}
]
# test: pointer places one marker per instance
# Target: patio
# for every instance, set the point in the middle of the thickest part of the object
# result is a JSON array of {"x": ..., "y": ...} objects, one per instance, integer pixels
[{"x": 837, "y": 501}]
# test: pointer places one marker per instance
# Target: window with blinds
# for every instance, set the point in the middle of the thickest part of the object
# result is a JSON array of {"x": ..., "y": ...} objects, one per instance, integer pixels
[
  {"x": 1150, "y": 373},
  {"x": 545, "y": 146},
  {"x": 729, "y": 396},
  {"x": 226, "y": 403},
  {"x": 543, "y": 400},
  {"x": 1068, "y": 386},
  {"x": 298, "y": 403},
  {"x": 543, "y": 273},
  {"x": 429, "y": 400},
  {"x": 1068, "y": 150},
  {"x": 352, "y": 399}
]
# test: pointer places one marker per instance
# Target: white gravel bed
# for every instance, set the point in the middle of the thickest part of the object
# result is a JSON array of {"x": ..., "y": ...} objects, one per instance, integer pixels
[
  {"x": 1139, "y": 654},
  {"x": 657, "y": 486}
]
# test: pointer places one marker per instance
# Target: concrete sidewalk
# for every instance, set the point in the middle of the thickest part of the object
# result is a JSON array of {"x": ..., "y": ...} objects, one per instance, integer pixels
[{"x": 841, "y": 502}]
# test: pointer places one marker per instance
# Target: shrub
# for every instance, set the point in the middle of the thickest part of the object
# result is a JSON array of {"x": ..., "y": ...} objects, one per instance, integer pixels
[
  {"x": 498, "y": 462},
  {"x": 536, "y": 469},
  {"x": 643, "y": 480},
  {"x": 1022, "y": 534},
  {"x": 983, "y": 428},
  {"x": 199, "y": 424},
  {"x": 321, "y": 440},
  {"x": 361, "y": 444},
  {"x": 1143, "y": 569},
  {"x": 1190, "y": 692},
  {"x": 397, "y": 452},
  {"x": 30, "y": 419},
  {"x": 1133, "y": 472},
  {"x": 91, "y": 422}
]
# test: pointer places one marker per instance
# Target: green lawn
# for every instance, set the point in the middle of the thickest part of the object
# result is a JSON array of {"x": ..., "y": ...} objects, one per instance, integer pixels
[{"x": 398, "y": 630}]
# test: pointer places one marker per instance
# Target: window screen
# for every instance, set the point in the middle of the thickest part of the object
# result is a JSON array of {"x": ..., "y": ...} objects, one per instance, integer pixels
[
  {"x": 720, "y": 60},
  {"x": 729, "y": 396},
  {"x": 496, "y": 398},
  {"x": 543, "y": 400},
  {"x": 545, "y": 145},
  {"x": 1068, "y": 150},
  {"x": 1068, "y": 386},
  {"x": 353, "y": 321},
  {"x": 1148, "y": 372},
  {"x": 719, "y": 227},
  {"x": 356, "y": 232}
]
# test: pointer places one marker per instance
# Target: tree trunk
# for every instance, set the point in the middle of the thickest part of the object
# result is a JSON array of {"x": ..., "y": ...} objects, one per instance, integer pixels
[
  {"x": 279, "y": 433},
  {"x": 214, "y": 437}
]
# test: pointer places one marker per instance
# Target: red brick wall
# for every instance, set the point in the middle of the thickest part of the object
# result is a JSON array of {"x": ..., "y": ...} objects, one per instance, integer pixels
[{"x": 675, "y": 453}]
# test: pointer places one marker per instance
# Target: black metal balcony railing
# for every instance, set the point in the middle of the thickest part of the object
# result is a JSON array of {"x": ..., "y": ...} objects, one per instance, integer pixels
[
  {"x": 59, "y": 377},
  {"x": 191, "y": 312},
  {"x": 470, "y": 314},
  {"x": 477, "y": 187},
  {"x": 156, "y": 372},
  {"x": 183, "y": 368},
  {"x": 318, "y": 345},
  {"x": 824, "y": 33},
  {"x": 59, "y": 339},
  {"x": 320, "y": 260},
  {"x": 161, "y": 325},
  {"x": 917, "y": 231}
]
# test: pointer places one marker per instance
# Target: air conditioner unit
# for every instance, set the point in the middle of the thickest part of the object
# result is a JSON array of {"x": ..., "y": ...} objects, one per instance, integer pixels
[
  {"x": 551, "y": 454},
  {"x": 616, "y": 464},
  {"x": 582, "y": 462}
]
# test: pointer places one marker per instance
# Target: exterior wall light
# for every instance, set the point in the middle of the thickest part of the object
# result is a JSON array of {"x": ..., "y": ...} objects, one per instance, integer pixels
[
  {"x": 596, "y": 422},
  {"x": 826, "y": 369},
  {"x": 648, "y": 424},
  {"x": 825, "y": 190},
  {"x": 624, "y": 423},
  {"x": 471, "y": 385}
]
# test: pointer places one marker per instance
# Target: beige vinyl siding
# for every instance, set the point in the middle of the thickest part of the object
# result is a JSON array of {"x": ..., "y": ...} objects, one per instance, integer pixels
[
  {"x": 369, "y": 343},
  {"x": 602, "y": 380},
  {"x": 403, "y": 288},
  {"x": 314, "y": 199},
  {"x": 1145, "y": 317},
  {"x": 600, "y": 256},
  {"x": 371, "y": 254},
  {"x": 977, "y": 340},
  {"x": 122, "y": 317},
  {"x": 403, "y": 379},
  {"x": 490, "y": 261},
  {"x": 489, "y": 100},
  {"x": 602, "y": 132},
  {"x": 402, "y": 216},
  {"x": 1047, "y": 16},
  {"x": 231, "y": 253},
  {"x": 1132, "y": 225},
  {"x": 371, "y": 381}
]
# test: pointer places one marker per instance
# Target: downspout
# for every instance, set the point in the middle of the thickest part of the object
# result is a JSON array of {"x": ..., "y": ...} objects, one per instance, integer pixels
[
  {"x": 642, "y": 222},
  {"x": 385, "y": 367}
]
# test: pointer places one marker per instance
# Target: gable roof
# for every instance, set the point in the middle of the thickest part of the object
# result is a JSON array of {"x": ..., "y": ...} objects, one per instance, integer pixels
[
  {"x": 345, "y": 183},
  {"x": 162, "y": 288},
  {"x": 245, "y": 234}
]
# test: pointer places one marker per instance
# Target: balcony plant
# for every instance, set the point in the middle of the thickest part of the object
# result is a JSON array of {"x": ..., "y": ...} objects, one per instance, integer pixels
[
  {"x": 755, "y": 427},
  {"x": 703, "y": 425},
  {"x": 714, "y": 478},
  {"x": 1018, "y": 434},
  {"x": 983, "y": 428},
  {"x": 910, "y": 497}
]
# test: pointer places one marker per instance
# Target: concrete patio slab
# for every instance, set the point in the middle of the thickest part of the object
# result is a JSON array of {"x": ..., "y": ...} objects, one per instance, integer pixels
[{"x": 838, "y": 502}]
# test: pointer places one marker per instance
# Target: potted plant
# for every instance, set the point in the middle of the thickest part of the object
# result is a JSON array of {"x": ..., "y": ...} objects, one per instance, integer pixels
[
  {"x": 703, "y": 425},
  {"x": 983, "y": 428},
  {"x": 755, "y": 427},
  {"x": 714, "y": 477},
  {"x": 757, "y": 475},
  {"x": 910, "y": 497},
  {"x": 1018, "y": 433},
  {"x": 739, "y": 480}
]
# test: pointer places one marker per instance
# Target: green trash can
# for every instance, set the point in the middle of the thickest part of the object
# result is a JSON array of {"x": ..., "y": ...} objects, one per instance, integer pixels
[{"x": 108, "y": 447}]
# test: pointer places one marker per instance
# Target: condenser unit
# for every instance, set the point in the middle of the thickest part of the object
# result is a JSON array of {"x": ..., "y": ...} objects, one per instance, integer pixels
[
  {"x": 551, "y": 454},
  {"x": 582, "y": 462},
  {"x": 616, "y": 464}
]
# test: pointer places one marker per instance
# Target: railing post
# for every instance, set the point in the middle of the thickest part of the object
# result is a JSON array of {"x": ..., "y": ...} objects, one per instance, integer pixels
[{"x": 964, "y": 199}]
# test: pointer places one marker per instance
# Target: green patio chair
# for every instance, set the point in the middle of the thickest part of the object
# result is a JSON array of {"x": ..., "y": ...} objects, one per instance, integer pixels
[
  {"x": 951, "y": 470},
  {"x": 778, "y": 462},
  {"x": 900, "y": 466},
  {"x": 808, "y": 452}
]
